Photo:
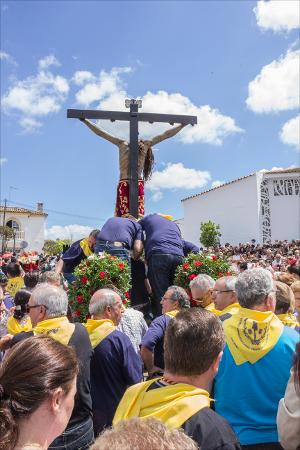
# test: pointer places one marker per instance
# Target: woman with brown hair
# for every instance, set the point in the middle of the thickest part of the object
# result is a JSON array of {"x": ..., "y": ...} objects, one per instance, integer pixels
[{"x": 37, "y": 388}]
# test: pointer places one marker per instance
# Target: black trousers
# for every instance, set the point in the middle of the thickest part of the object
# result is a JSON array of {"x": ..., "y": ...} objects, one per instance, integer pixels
[
  {"x": 161, "y": 273},
  {"x": 266, "y": 446}
]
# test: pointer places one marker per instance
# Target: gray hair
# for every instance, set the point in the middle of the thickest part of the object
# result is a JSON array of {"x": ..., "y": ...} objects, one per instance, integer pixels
[
  {"x": 101, "y": 300},
  {"x": 252, "y": 287},
  {"x": 230, "y": 282},
  {"x": 52, "y": 297},
  {"x": 179, "y": 294},
  {"x": 203, "y": 281},
  {"x": 50, "y": 277}
]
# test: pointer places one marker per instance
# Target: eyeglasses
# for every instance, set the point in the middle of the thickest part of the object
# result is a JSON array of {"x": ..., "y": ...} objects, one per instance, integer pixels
[
  {"x": 219, "y": 292},
  {"x": 28, "y": 308}
]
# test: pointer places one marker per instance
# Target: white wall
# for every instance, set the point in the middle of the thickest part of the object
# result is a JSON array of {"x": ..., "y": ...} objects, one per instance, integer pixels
[
  {"x": 33, "y": 227},
  {"x": 235, "y": 207}
]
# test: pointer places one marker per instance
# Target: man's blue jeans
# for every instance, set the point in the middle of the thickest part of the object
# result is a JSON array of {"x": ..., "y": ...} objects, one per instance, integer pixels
[
  {"x": 107, "y": 247},
  {"x": 79, "y": 437},
  {"x": 161, "y": 273}
]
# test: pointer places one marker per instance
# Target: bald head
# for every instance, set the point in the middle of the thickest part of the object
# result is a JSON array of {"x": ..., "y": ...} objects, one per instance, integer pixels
[{"x": 106, "y": 304}]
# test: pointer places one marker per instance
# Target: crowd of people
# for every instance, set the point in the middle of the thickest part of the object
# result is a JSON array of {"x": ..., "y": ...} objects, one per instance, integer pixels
[{"x": 163, "y": 374}]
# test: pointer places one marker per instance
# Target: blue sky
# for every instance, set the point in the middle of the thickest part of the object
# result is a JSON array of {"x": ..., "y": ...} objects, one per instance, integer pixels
[{"x": 234, "y": 64}]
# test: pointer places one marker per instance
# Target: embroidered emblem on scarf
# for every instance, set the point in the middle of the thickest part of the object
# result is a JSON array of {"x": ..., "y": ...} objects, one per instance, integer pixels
[
  {"x": 251, "y": 334},
  {"x": 288, "y": 320}
]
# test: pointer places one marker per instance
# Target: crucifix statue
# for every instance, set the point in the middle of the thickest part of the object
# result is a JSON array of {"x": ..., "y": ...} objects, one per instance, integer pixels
[{"x": 136, "y": 157}]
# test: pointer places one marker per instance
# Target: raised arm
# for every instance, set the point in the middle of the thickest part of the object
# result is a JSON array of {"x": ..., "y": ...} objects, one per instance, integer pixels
[
  {"x": 166, "y": 135},
  {"x": 102, "y": 133}
]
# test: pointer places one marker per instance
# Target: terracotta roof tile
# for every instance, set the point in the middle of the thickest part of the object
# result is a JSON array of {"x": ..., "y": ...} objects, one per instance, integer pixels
[{"x": 10, "y": 209}]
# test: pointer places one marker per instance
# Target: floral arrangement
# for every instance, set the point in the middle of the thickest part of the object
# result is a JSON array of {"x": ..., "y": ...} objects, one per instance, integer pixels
[
  {"x": 194, "y": 264},
  {"x": 95, "y": 273}
]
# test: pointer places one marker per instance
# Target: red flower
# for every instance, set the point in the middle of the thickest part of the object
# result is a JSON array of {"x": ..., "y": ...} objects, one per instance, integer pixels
[
  {"x": 198, "y": 263},
  {"x": 124, "y": 301},
  {"x": 191, "y": 277},
  {"x": 214, "y": 258},
  {"x": 77, "y": 313},
  {"x": 102, "y": 274},
  {"x": 83, "y": 280},
  {"x": 121, "y": 266},
  {"x": 220, "y": 274},
  {"x": 228, "y": 274},
  {"x": 127, "y": 294},
  {"x": 185, "y": 266},
  {"x": 80, "y": 299},
  {"x": 88, "y": 316}
]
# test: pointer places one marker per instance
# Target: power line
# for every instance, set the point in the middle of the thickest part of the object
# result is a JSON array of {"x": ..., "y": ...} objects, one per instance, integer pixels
[{"x": 60, "y": 212}]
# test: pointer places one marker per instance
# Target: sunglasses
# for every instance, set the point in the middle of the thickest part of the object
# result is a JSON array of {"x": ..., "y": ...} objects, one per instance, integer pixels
[{"x": 28, "y": 308}]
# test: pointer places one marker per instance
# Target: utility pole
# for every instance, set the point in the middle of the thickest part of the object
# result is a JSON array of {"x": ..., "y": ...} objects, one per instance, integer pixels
[{"x": 3, "y": 227}]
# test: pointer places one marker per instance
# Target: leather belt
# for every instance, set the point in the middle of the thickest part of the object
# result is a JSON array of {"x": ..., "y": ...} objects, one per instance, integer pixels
[{"x": 115, "y": 244}]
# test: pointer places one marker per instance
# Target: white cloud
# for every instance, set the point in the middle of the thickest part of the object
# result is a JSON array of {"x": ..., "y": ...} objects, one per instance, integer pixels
[
  {"x": 108, "y": 91},
  {"x": 36, "y": 96},
  {"x": 217, "y": 183},
  {"x": 2, "y": 161},
  {"x": 4, "y": 55},
  {"x": 82, "y": 76},
  {"x": 156, "y": 196},
  {"x": 290, "y": 132},
  {"x": 29, "y": 124},
  {"x": 73, "y": 232},
  {"x": 48, "y": 61},
  {"x": 176, "y": 176},
  {"x": 277, "y": 15},
  {"x": 276, "y": 88}
]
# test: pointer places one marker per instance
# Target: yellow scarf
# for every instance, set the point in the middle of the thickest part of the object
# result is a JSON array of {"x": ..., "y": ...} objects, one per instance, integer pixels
[
  {"x": 14, "y": 285},
  {"x": 15, "y": 326},
  {"x": 251, "y": 334},
  {"x": 231, "y": 309},
  {"x": 84, "y": 244},
  {"x": 173, "y": 404},
  {"x": 58, "y": 328},
  {"x": 172, "y": 313},
  {"x": 288, "y": 320},
  {"x": 99, "y": 330},
  {"x": 211, "y": 308}
]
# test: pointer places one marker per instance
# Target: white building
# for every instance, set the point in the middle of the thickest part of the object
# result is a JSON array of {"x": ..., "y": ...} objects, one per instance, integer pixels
[
  {"x": 264, "y": 206},
  {"x": 28, "y": 226}
]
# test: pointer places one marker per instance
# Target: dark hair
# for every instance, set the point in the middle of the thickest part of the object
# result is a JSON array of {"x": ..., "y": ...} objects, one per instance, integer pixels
[
  {"x": 94, "y": 233},
  {"x": 293, "y": 270},
  {"x": 196, "y": 329},
  {"x": 31, "y": 279},
  {"x": 21, "y": 300},
  {"x": 31, "y": 371},
  {"x": 243, "y": 265},
  {"x": 148, "y": 165},
  {"x": 3, "y": 279},
  {"x": 13, "y": 269}
]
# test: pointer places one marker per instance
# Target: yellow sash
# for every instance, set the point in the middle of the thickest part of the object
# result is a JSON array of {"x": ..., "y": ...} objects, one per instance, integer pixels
[
  {"x": 172, "y": 404},
  {"x": 288, "y": 320},
  {"x": 251, "y": 334},
  {"x": 211, "y": 308},
  {"x": 231, "y": 309},
  {"x": 84, "y": 244},
  {"x": 172, "y": 313},
  {"x": 58, "y": 328},
  {"x": 14, "y": 285},
  {"x": 99, "y": 330},
  {"x": 14, "y": 326}
]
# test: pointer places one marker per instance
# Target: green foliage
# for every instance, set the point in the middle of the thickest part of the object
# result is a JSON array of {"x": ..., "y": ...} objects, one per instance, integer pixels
[
  {"x": 52, "y": 247},
  {"x": 95, "y": 273},
  {"x": 210, "y": 234},
  {"x": 194, "y": 264},
  {"x": 6, "y": 232}
]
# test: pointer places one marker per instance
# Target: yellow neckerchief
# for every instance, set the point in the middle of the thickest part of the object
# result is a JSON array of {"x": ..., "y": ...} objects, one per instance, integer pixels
[
  {"x": 172, "y": 313},
  {"x": 84, "y": 244},
  {"x": 58, "y": 328},
  {"x": 288, "y": 320},
  {"x": 173, "y": 404},
  {"x": 99, "y": 330},
  {"x": 233, "y": 308},
  {"x": 211, "y": 308},
  {"x": 251, "y": 334},
  {"x": 14, "y": 285},
  {"x": 15, "y": 326}
]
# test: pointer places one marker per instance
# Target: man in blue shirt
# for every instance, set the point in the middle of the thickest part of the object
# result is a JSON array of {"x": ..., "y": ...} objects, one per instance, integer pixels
[
  {"x": 256, "y": 363},
  {"x": 118, "y": 236},
  {"x": 189, "y": 247},
  {"x": 164, "y": 252},
  {"x": 115, "y": 365}
]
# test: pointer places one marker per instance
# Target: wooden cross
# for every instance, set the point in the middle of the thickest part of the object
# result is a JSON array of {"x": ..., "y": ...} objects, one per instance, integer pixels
[{"x": 133, "y": 117}]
